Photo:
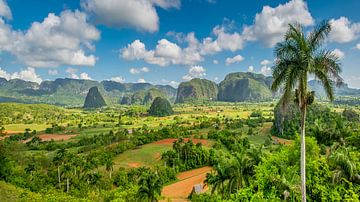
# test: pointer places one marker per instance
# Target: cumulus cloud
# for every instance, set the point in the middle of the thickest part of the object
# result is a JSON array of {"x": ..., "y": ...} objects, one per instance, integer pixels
[
  {"x": 73, "y": 74},
  {"x": 174, "y": 84},
  {"x": 141, "y": 80},
  {"x": 265, "y": 70},
  {"x": 215, "y": 62},
  {"x": 250, "y": 68},
  {"x": 271, "y": 23},
  {"x": 140, "y": 14},
  {"x": 265, "y": 62},
  {"x": 224, "y": 41},
  {"x": 118, "y": 79},
  {"x": 195, "y": 72},
  {"x": 27, "y": 74},
  {"x": 269, "y": 27},
  {"x": 235, "y": 59},
  {"x": 57, "y": 40},
  {"x": 53, "y": 72},
  {"x": 5, "y": 10},
  {"x": 139, "y": 70},
  {"x": 343, "y": 30},
  {"x": 338, "y": 53},
  {"x": 85, "y": 76},
  {"x": 357, "y": 46},
  {"x": 165, "y": 52}
]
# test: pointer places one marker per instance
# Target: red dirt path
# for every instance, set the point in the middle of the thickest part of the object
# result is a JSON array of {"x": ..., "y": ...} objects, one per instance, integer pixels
[{"x": 179, "y": 191}]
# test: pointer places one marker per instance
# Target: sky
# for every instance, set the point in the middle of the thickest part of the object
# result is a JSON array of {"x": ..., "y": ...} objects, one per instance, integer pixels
[{"x": 163, "y": 41}]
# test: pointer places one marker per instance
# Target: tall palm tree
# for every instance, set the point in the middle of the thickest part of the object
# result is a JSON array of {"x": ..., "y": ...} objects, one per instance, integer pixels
[{"x": 297, "y": 57}]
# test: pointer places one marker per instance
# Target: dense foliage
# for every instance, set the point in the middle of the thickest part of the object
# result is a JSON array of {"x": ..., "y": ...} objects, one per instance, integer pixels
[
  {"x": 197, "y": 90},
  {"x": 94, "y": 99},
  {"x": 160, "y": 107}
]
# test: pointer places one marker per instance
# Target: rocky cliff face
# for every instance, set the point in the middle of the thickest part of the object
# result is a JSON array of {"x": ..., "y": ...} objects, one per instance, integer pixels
[
  {"x": 240, "y": 87},
  {"x": 197, "y": 90},
  {"x": 94, "y": 99}
]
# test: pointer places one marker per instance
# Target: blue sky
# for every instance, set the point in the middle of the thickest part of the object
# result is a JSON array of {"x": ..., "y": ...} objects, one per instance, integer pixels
[{"x": 162, "y": 41}]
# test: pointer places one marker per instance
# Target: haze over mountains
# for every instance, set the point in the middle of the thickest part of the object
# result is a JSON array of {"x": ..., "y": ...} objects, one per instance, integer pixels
[{"x": 236, "y": 87}]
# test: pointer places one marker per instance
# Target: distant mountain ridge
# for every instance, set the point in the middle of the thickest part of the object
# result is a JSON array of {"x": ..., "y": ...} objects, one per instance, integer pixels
[
  {"x": 71, "y": 92},
  {"x": 236, "y": 87}
]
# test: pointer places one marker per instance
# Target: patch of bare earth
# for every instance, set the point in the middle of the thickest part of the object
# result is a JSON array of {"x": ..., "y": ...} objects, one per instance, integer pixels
[
  {"x": 55, "y": 137},
  {"x": 278, "y": 140},
  {"x": 134, "y": 165},
  {"x": 179, "y": 191}
]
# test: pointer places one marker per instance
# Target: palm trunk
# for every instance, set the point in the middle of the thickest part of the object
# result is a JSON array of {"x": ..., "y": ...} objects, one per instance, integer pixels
[
  {"x": 67, "y": 185},
  {"x": 59, "y": 176},
  {"x": 303, "y": 155}
]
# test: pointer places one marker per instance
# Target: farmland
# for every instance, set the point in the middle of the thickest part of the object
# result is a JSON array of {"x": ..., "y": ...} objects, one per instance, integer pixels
[{"x": 122, "y": 146}]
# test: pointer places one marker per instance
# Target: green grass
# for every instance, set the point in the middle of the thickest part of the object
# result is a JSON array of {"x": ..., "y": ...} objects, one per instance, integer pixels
[
  {"x": 22, "y": 127},
  {"x": 147, "y": 155}
]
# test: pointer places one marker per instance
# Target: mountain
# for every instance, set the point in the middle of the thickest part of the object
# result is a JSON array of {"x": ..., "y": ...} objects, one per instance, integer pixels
[
  {"x": 196, "y": 90},
  {"x": 70, "y": 92},
  {"x": 241, "y": 86},
  {"x": 94, "y": 99},
  {"x": 143, "y": 96},
  {"x": 342, "y": 90}
]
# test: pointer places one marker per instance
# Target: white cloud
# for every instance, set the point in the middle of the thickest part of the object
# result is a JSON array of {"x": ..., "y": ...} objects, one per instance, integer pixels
[
  {"x": 4, "y": 74},
  {"x": 343, "y": 30},
  {"x": 224, "y": 41},
  {"x": 85, "y": 76},
  {"x": 272, "y": 23},
  {"x": 265, "y": 62},
  {"x": 139, "y": 70},
  {"x": 166, "y": 49},
  {"x": 71, "y": 70},
  {"x": 338, "y": 53},
  {"x": 358, "y": 46},
  {"x": 118, "y": 79},
  {"x": 5, "y": 10},
  {"x": 27, "y": 74},
  {"x": 265, "y": 70},
  {"x": 73, "y": 74},
  {"x": 215, "y": 62},
  {"x": 58, "y": 40},
  {"x": 174, "y": 84},
  {"x": 165, "y": 52},
  {"x": 141, "y": 80},
  {"x": 140, "y": 14},
  {"x": 195, "y": 72},
  {"x": 235, "y": 59},
  {"x": 216, "y": 78},
  {"x": 269, "y": 27},
  {"x": 250, "y": 68},
  {"x": 53, "y": 72}
]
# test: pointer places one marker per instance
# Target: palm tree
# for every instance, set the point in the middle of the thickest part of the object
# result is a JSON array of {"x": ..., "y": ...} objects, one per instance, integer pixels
[
  {"x": 150, "y": 186},
  {"x": 297, "y": 57}
]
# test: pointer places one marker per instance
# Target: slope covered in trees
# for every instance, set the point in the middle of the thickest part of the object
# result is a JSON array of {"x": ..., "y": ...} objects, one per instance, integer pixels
[
  {"x": 94, "y": 99},
  {"x": 160, "y": 107},
  {"x": 239, "y": 87},
  {"x": 197, "y": 90}
]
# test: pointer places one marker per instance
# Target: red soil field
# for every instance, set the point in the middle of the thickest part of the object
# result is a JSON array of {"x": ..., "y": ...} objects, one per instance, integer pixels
[
  {"x": 179, "y": 191},
  {"x": 55, "y": 137},
  {"x": 12, "y": 132},
  {"x": 134, "y": 165},
  {"x": 281, "y": 140}
]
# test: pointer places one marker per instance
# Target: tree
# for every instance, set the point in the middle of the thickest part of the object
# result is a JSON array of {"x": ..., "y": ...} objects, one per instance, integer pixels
[
  {"x": 150, "y": 186},
  {"x": 297, "y": 57},
  {"x": 160, "y": 107}
]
